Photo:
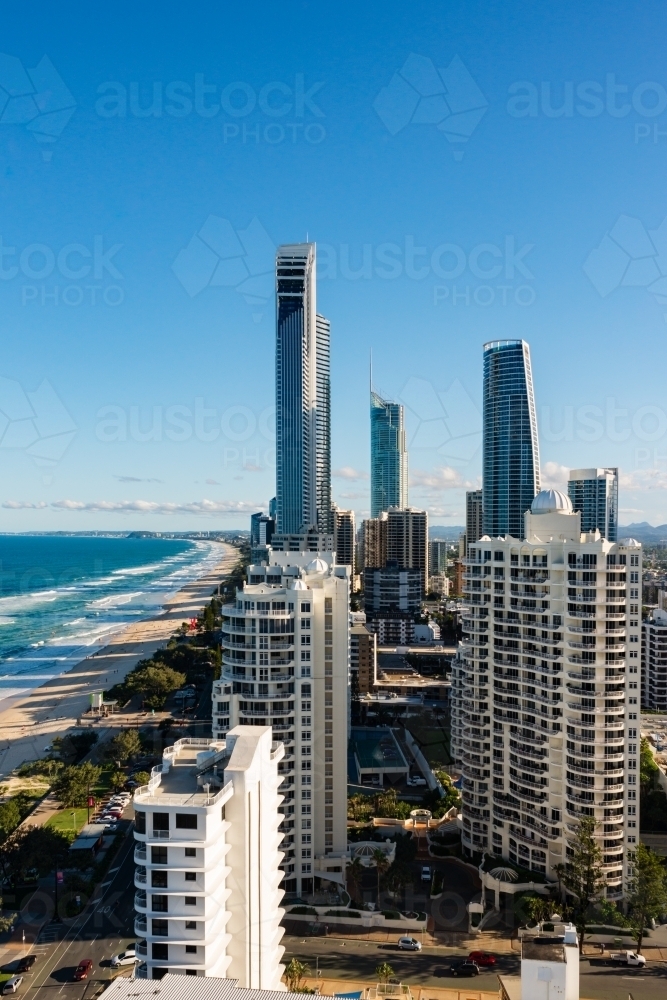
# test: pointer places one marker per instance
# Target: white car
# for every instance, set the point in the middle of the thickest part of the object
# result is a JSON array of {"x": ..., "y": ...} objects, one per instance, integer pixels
[
  {"x": 12, "y": 984},
  {"x": 127, "y": 957},
  {"x": 426, "y": 874},
  {"x": 409, "y": 944},
  {"x": 416, "y": 781}
]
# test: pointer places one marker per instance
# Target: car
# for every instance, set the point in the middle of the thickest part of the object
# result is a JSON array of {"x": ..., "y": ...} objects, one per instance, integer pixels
[
  {"x": 409, "y": 944},
  {"x": 416, "y": 781},
  {"x": 464, "y": 968},
  {"x": 127, "y": 957},
  {"x": 83, "y": 970},
  {"x": 482, "y": 958},
  {"x": 426, "y": 873},
  {"x": 26, "y": 963},
  {"x": 12, "y": 984}
]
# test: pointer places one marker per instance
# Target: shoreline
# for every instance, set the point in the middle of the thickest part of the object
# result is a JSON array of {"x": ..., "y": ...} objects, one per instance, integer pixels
[{"x": 29, "y": 722}]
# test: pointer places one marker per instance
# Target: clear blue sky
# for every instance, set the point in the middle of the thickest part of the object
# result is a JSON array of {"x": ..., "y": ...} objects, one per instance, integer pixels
[{"x": 541, "y": 221}]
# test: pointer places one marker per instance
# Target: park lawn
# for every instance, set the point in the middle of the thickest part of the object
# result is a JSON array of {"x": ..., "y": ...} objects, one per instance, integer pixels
[{"x": 64, "y": 822}]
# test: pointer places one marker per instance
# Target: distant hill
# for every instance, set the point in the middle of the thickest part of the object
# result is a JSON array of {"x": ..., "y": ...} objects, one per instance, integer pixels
[
  {"x": 450, "y": 532},
  {"x": 643, "y": 532}
]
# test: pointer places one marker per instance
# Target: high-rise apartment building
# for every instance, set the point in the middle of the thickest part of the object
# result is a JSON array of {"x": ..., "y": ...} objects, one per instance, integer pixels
[
  {"x": 262, "y": 528},
  {"x": 407, "y": 540},
  {"x": 363, "y": 658},
  {"x": 474, "y": 525},
  {"x": 546, "y": 693},
  {"x": 344, "y": 537},
  {"x": 438, "y": 556},
  {"x": 303, "y": 438},
  {"x": 374, "y": 542},
  {"x": 389, "y": 456},
  {"x": 654, "y": 661},
  {"x": 594, "y": 493},
  {"x": 511, "y": 461},
  {"x": 207, "y": 878},
  {"x": 285, "y": 663}
]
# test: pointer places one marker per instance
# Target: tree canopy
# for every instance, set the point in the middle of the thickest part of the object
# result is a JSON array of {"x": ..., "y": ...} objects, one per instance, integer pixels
[{"x": 75, "y": 783}]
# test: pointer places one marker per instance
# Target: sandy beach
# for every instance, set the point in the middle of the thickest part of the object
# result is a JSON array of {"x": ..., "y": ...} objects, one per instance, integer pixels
[{"x": 29, "y": 723}]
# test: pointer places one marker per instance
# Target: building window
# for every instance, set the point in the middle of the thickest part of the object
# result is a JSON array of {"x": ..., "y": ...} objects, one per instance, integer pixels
[
  {"x": 160, "y": 952},
  {"x": 305, "y": 640},
  {"x": 159, "y": 903},
  {"x": 158, "y": 856},
  {"x": 160, "y": 928},
  {"x": 140, "y": 822},
  {"x": 191, "y": 949},
  {"x": 305, "y": 608},
  {"x": 190, "y": 900},
  {"x": 186, "y": 821},
  {"x": 160, "y": 821},
  {"x": 306, "y": 868},
  {"x": 305, "y": 653},
  {"x": 191, "y": 876},
  {"x": 159, "y": 880},
  {"x": 191, "y": 925},
  {"x": 191, "y": 852}
]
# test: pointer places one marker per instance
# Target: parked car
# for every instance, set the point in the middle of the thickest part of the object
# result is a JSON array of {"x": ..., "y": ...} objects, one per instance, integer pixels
[
  {"x": 12, "y": 984},
  {"x": 83, "y": 970},
  {"x": 628, "y": 958},
  {"x": 26, "y": 963},
  {"x": 464, "y": 968},
  {"x": 127, "y": 957},
  {"x": 416, "y": 781},
  {"x": 426, "y": 873},
  {"x": 482, "y": 958},
  {"x": 409, "y": 944}
]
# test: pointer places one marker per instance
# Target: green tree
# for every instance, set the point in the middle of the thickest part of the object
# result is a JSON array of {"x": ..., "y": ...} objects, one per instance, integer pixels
[
  {"x": 142, "y": 777},
  {"x": 33, "y": 847},
  {"x": 75, "y": 783},
  {"x": 583, "y": 877},
  {"x": 154, "y": 681},
  {"x": 382, "y": 863},
  {"x": 117, "y": 780},
  {"x": 647, "y": 891},
  {"x": 355, "y": 874},
  {"x": 384, "y": 972},
  {"x": 10, "y": 817},
  {"x": 397, "y": 877},
  {"x": 539, "y": 908},
  {"x": 125, "y": 746},
  {"x": 295, "y": 973}
]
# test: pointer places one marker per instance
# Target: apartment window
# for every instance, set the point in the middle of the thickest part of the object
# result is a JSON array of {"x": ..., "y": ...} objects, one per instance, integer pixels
[
  {"x": 190, "y": 972},
  {"x": 305, "y": 623},
  {"x": 305, "y": 720},
  {"x": 160, "y": 951},
  {"x": 158, "y": 856},
  {"x": 160, "y": 928},
  {"x": 191, "y": 949},
  {"x": 159, "y": 880},
  {"x": 140, "y": 822},
  {"x": 191, "y": 852},
  {"x": 191, "y": 876},
  {"x": 305, "y": 810},
  {"x": 186, "y": 821},
  {"x": 499, "y": 556},
  {"x": 161, "y": 821},
  {"x": 191, "y": 925},
  {"x": 305, "y": 608},
  {"x": 306, "y": 868},
  {"x": 159, "y": 904},
  {"x": 306, "y": 824},
  {"x": 305, "y": 640},
  {"x": 305, "y": 735},
  {"x": 190, "y": 900},
  {"x": 305, "y": 653}
]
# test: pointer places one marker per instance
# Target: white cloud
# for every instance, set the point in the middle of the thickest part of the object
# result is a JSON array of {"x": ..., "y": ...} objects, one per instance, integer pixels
[
  {"x": 347, "y": 472},
  {"x": 200, "y": 508},
  {"x": 554, "y": 476},
  {"x": 135, "y": 479},
  {"x": 643, "y": 480},
  {"x": 631, "y": 510},
  {"x": 354, "y": 495},
  {"x": 442, "y": 478}
]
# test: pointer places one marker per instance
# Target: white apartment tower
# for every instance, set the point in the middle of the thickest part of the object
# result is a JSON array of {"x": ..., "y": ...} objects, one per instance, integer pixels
[
  {"x": 285, "y": 663},
  {"x": 654, "y": 661},
  {"x": 546, "y": 693},
  {"x": 207, "y": 877}
]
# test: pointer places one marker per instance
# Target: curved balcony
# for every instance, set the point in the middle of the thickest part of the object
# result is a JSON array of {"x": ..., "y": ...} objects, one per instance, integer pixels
[
  {"x": 141, "y": 948},
  {"x": 140, "y": 876},
  {"x": 577, "y": 706},
  {"x": 527, "y": 765},
  {"x": 140, "y": 901},
  {"x": 530, "y": 576},
  {"x": 140, "y": 926},
  {"x": 581, "y": 614},
  {"x": 139, "y": 853}
]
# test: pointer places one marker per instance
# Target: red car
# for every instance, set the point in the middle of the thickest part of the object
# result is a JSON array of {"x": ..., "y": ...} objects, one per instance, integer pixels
[
  {"x": 482, "y": 958},
  {"x": 82, "y": 970}
]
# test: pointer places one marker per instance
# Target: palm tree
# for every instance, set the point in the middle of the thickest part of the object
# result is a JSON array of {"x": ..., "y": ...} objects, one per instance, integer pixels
[
  {"x": 295, "y": 973},
  {"x": 381, "y": 863},
  {"x": 384, "y": 972},
  {"x": 355, "y": 871}
]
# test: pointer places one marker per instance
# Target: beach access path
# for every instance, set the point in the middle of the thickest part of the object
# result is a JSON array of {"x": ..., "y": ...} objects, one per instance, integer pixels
[{"x": 29, "y": 724}]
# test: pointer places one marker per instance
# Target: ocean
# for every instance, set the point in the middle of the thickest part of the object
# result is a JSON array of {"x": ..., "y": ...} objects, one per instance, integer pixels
[{"x": 61, "y": 596}]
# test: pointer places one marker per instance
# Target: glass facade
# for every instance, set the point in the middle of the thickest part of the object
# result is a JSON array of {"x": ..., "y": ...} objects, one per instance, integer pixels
[
  {"x": 389, "y": 456},
  {"x": 303, "y": 406},
  {"x": 594, "y": 493},
  {"x": 511, "y": 459}
]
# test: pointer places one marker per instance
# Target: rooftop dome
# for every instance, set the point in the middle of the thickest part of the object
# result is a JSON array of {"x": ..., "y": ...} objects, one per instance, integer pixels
[
  {"x": 551, "y": 502},
  {"x": 317, "y": 566},
  {"x": 299, "y": 585}
]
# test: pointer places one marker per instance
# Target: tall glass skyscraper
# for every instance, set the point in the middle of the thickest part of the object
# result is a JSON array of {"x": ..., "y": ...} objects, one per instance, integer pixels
[
  {"x": 303, "y": 436},
  {"x": 594, "y": 493},
  {"x": 511, "y": 460},
  {"x": 389, "y": 456}
]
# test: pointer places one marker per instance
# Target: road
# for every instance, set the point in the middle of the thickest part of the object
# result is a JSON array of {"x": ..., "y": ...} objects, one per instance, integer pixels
[
  {"x": 103, "y": 929},
  {"x": 356, "y": 960}
]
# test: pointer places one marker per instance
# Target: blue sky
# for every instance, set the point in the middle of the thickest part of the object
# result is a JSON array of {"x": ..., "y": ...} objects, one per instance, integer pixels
[{"x": 469, "y": 172}]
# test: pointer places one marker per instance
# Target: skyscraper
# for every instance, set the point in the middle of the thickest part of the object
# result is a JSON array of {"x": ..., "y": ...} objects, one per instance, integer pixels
[
  {"x": 303, "y": 463},
  {"x": 511, "y": 460},
  {"x": 474, "y": 527},
  {"x": 343, "y": 531},
  {"x": 389, "y": 456},
  {"x": 407, "y": 540},
  {"x": 594, "y": 493},
  {"x": 546, "y": 723}
]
